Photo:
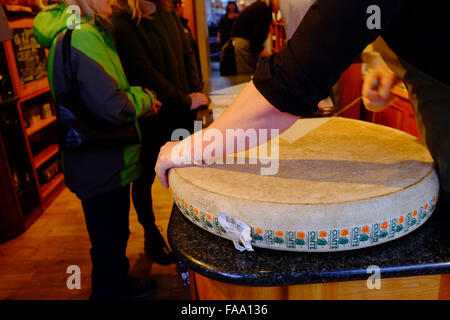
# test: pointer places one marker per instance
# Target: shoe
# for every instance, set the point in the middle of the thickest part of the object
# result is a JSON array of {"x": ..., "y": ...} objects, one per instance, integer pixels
[
  {"x": 138, "y": 288},
  {"x": 156, "y": 248}
]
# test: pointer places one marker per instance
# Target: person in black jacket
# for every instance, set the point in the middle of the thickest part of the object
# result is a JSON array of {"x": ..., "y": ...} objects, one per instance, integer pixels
[
  {"x": 226, "y": 23},
  {"x": 248, "y": 35},
  {"x": 290, "y": 83},
  {"x": 189, "y": 35},
  {"x": 156, "y": 54}
]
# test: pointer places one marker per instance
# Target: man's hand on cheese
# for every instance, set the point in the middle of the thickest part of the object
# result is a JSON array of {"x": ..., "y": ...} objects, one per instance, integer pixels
[
  {"x": 377, "y": 86},
  {"x": 250, "y": 110}
]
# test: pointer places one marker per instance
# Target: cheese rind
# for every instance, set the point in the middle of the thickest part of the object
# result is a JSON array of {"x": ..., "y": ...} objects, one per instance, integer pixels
[{"x": 344, "y": 184}]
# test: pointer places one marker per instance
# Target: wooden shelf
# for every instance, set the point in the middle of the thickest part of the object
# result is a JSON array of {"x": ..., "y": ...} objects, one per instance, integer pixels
[
  {"x": 39, "y": 125},
  {"x": 30, "y": 85},
  {"x": 277, "y": 36},
  {"x": 21, "y": 23},
  {"x": 46, "y": 154},
  {"x": 43, "y": 89},
  {"x": 48, "y": 188}
]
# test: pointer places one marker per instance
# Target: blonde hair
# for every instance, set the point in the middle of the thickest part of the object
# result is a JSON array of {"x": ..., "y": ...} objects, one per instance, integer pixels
[
  {"x": 139, "y": 9},
  {"x": 86, "y": 8}
]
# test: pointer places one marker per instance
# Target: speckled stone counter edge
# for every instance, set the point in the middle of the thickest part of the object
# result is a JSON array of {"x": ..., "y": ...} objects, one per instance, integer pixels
[{"x": 180, "y": 227}]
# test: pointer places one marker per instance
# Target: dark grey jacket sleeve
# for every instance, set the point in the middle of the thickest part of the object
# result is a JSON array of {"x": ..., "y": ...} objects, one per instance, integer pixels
[
  {"x": 195, "y": 85},
  {"x": 140, "y": 67},
  {"x": 100, "y": 93}
]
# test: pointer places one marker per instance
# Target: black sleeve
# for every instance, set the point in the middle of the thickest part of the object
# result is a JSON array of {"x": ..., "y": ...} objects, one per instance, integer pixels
[
  {"x": 139, "y": 67},
  {"x": 260, "y": 30},
  {"x": 195, "y": 84},
  {"x": 331, "y": 34}
]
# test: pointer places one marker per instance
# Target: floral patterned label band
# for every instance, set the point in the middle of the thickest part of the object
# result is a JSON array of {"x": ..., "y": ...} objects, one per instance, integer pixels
[{"x": 345, "y": 238}]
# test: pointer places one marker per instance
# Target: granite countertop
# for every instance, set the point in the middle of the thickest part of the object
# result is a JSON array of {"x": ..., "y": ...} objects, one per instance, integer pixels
[{"x": 421, "y": 252}]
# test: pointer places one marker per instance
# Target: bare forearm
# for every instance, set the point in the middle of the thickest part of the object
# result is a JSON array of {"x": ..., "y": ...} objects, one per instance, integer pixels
[
  {"x": 247, "y": 115},
  {"x": 250, "y": 110}
]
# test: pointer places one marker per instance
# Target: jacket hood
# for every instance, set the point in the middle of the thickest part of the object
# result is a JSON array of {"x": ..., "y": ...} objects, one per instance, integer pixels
[{"x": 49, "y": 23}]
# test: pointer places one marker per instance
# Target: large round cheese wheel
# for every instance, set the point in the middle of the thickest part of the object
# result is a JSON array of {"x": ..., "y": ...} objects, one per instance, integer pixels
[{"x": 341, "y": 184}]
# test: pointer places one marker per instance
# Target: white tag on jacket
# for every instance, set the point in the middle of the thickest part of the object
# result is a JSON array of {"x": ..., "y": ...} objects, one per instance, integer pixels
[{"x": 239, "y": 232}]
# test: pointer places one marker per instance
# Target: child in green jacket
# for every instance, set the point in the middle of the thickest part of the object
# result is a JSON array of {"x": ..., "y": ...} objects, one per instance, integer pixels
[{"x": 99, "y": 176}]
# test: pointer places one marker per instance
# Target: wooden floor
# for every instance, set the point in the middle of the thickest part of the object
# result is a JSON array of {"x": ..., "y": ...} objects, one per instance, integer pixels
[{"x": 34, "y": 265}]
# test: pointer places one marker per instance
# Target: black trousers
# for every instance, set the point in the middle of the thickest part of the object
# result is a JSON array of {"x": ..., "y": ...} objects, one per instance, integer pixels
[
  {"x": 108, "y": 227},
  {"x": 142, "y": 195},
  {"x": 142, "y": 188},
  {"x": 156, "y": 131}
]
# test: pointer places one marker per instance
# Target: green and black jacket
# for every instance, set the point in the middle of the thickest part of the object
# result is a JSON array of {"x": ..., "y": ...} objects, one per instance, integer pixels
[{"x": 104, "y": 89}]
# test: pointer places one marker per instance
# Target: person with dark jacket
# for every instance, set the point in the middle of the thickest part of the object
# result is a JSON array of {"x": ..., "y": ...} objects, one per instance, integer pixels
[
  {"x": 226, "y": 23},
  {"x": 189, "y": 35},
  {"x": 87, "y": 65},
  {"x": 290, "y": 83},
  {"x": 249, "y": 33},
  {"x": 156, "y": 54}
]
